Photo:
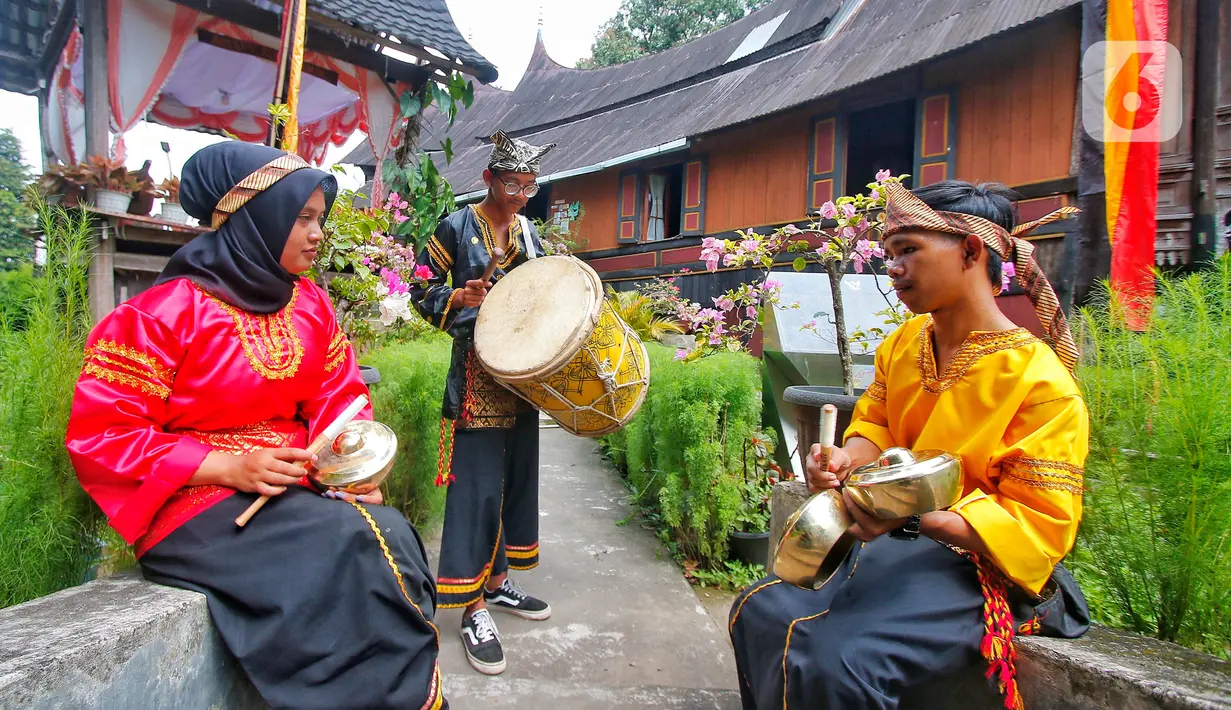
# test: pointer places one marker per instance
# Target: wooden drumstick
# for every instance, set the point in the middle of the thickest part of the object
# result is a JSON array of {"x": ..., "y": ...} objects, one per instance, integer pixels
[
  {"x": 829, "y": 426},
  {"x": 325, "y": 438},
  {"x": 497, "y": 255}
]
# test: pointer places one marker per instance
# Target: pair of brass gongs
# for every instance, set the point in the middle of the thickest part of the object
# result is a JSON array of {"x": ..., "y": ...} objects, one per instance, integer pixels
[{"x": 899, "y": 484}]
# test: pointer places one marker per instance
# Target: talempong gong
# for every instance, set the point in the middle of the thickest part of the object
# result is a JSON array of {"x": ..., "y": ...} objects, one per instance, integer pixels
[
  {"x": 898, "y": 484},
  {"x": 357, "y": 461}
]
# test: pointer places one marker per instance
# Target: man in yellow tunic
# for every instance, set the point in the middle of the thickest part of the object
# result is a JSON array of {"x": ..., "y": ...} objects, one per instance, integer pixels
[{"x": 924, "y": 597}]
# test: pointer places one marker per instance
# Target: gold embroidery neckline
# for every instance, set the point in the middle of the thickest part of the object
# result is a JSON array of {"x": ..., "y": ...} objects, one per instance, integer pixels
[
  {"x": 270, "y": 340},
  {"x": 489, "y": 237},
  {"x": 976, "y": 345}
]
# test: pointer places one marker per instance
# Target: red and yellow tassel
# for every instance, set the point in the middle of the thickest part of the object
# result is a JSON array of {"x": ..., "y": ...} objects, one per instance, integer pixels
[{"x": 998, "y": 631}]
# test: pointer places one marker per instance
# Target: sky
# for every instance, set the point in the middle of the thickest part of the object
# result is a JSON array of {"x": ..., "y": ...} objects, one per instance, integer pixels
[{"x": 502, "y": 31}]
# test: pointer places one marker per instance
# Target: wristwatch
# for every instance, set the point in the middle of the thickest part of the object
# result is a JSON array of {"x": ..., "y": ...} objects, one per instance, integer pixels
[{"x": 909, "y": 531}]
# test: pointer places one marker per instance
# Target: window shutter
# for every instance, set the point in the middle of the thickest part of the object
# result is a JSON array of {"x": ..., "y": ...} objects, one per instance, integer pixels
[
  {"x": 631, "y": 190},
  {"x": 935, "y": 139},
  {"x": 827, "y": 149},
  {"x": 692, "y": 219}
]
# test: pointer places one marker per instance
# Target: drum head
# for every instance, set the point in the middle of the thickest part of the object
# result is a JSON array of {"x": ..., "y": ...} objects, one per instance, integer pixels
[{"x": 537, "y": 317}]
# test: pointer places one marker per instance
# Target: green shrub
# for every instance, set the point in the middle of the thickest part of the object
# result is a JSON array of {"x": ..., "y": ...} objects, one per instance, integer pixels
[
  {"x": 408, "y": 399},
  {"x": 16, "y": 290},
  {"x": 683, "y": 450},
  {"x": 1155, "y": 546},
  {"x": 48, "y": 524}
]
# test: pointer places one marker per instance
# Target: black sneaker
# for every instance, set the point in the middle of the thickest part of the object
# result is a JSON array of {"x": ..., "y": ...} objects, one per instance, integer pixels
[
  {"x": 510, "y": 598},
  {"x": 482, "y": 643}
]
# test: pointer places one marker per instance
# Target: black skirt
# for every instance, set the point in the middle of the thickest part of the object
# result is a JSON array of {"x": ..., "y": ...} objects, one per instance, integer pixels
[{"x": 320, "y": 611}]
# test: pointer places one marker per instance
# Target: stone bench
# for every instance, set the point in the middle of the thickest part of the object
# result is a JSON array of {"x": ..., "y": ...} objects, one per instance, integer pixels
[
  {"x": 1103, "y": 669},
  {"x": 121, "y": 643}
]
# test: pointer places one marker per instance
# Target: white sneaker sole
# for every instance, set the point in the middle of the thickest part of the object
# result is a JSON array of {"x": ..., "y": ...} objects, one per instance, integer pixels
[
  {"x": 531, "y": 615},
  {"x": 480, "y": 666}
]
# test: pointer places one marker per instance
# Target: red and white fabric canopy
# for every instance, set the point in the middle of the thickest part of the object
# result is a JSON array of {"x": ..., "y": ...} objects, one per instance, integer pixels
[{"x": 157, "y": 66}]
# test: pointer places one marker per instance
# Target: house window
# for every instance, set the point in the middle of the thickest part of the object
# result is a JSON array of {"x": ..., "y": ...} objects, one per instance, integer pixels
[
  {"x": 663, "y": 199},
  {"x": 880, "y": 138}
]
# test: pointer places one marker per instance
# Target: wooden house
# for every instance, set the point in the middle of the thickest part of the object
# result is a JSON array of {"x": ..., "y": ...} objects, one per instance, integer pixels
[{"x": 760, "y": 122}]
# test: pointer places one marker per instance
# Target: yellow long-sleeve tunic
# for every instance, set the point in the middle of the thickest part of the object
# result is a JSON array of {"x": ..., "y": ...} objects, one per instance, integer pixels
[{"x": 1013, "y": 413}]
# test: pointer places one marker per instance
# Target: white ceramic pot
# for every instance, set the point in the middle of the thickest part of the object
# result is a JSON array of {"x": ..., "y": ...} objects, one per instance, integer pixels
[
  {"x": 173, "y": 212},
  {"x": 108, "y": 201}
]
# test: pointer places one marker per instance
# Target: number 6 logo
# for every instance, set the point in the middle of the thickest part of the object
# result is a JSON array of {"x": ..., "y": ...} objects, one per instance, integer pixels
[{"x": 1132, "y": 92}]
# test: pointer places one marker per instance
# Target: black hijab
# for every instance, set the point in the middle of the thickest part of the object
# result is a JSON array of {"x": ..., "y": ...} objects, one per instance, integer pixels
[{"x": 239, "y": 261}]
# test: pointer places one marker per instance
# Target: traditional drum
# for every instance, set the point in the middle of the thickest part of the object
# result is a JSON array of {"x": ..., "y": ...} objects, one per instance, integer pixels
[{"x": 546, "y": 332}]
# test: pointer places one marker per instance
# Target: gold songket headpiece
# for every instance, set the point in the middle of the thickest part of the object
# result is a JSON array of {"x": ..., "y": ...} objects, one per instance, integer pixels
[
  {"x": 262, "y": 179},
  {"x": 903, "y": 210}
]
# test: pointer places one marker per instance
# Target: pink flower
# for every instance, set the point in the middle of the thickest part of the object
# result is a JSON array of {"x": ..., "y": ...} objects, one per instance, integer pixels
[
  {"x": 422, "y": 272},
  {"x": 1007, "y": 272},
  {"x": 399, "y": 217},
  {"x": 863, "y": 224},
  {"x": 751, "y": 311},
  {"x": 681, "y": 354},
  {"x": 874, "y": 195},
  {"x": 770, "y": 284},
  {"x": 749, "y": 245},
  {"x": 849, "y": 211},
  {"x": 847, "y": 233},
  {"x": 791, "y": 229},
  {"x": 395, "y": 202},
  {"x": 810, "y": 324},
  {"x": 715, "y": 339},
  {"x": 883, "y": 175},
  {"x": 828, "y": 210},
  {"x": 724, "y": 303},
  {"x": 685, "y": 270}
]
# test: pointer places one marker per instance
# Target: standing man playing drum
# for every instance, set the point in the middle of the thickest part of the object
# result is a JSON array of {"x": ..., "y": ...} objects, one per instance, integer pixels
[
  {"x": 923, "y": 597},
  {"x": 491, "y": 463}
]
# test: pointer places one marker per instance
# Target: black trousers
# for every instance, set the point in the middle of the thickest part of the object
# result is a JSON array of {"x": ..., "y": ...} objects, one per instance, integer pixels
[
  {"x": 492, "y": 509},
  {"x": 897, "y": 614},
  {"x": 307, "y": 601}
]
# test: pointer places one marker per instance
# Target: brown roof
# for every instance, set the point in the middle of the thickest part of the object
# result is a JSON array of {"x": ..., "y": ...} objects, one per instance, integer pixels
[{"x": 595, "y": 115}]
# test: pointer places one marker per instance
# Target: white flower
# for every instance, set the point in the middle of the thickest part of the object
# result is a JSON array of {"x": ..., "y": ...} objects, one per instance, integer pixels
[{"x": 393, "y": 308}]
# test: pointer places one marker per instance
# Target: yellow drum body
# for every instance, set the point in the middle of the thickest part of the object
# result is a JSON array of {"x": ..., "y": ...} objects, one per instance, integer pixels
[{"x": 546, "y": 332}]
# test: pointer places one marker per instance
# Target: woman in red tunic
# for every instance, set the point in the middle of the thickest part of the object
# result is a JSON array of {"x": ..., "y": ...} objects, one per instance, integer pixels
[{"x": 200, "y": 394}]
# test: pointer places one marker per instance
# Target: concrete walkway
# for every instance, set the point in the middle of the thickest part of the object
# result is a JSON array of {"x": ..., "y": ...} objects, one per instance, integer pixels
[{"x": 627, "y": 631}]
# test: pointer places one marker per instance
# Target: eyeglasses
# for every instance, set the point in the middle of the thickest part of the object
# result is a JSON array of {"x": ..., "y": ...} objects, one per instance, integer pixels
[{"x": 512, "y": 188}]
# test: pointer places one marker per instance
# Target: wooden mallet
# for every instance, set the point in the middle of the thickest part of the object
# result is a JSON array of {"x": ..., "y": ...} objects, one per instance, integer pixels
[
  {"x": 324, "y": 439},
  {"x": 497, "y": 255}
]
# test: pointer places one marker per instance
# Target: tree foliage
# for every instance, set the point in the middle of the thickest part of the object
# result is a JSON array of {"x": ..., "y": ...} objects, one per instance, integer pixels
[
  {"x": 16, "y": 218},
  {"x": 642, "y": 27}
]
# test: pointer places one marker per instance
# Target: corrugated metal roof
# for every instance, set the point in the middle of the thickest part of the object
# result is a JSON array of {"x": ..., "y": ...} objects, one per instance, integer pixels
[{"x": 885, "y": 37}]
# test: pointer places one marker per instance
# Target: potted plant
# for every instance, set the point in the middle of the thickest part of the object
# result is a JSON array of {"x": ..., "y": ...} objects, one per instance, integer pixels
[
  {"x": 749, "y": 542},
  {"x": 169, "y": 191},
  {"x": 64, "y": 185},
  {"x": 113, "y": 184}
]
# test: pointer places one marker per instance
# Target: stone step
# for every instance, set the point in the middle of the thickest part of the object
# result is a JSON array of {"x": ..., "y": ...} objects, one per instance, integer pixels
[{"x": 475, "y": 692}]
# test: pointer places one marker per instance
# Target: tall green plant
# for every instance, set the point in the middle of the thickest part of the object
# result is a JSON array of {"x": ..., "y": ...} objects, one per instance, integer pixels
[
  {"x": 1156, "y": 543},
  {"x": 408, "y": 399},
  {"x": 47, "y": 522},
  {"x": 684, "y": 449}
]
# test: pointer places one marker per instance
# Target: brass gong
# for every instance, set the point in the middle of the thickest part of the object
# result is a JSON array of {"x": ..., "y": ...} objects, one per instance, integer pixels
[{"x": 358, "y": 460}]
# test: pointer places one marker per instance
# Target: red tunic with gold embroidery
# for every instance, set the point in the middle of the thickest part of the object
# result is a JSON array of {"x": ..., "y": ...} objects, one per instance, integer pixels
[{"x": 175, "y": 373}]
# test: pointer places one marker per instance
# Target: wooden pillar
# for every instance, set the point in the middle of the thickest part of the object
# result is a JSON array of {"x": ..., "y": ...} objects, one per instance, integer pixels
[
  {"x": 1205, "y": 104},
  {"x": 97, "y": 142}
]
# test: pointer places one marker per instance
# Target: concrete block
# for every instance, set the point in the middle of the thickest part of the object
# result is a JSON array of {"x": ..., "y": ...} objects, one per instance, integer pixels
[{"x": 121, "y": 643}]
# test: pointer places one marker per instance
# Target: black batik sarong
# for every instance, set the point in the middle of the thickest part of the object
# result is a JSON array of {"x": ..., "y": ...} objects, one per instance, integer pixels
[
  {"x": 897, "y": 614},
  {"x": 307, "y": 601},
  {"x": 492, "y": 509}
]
